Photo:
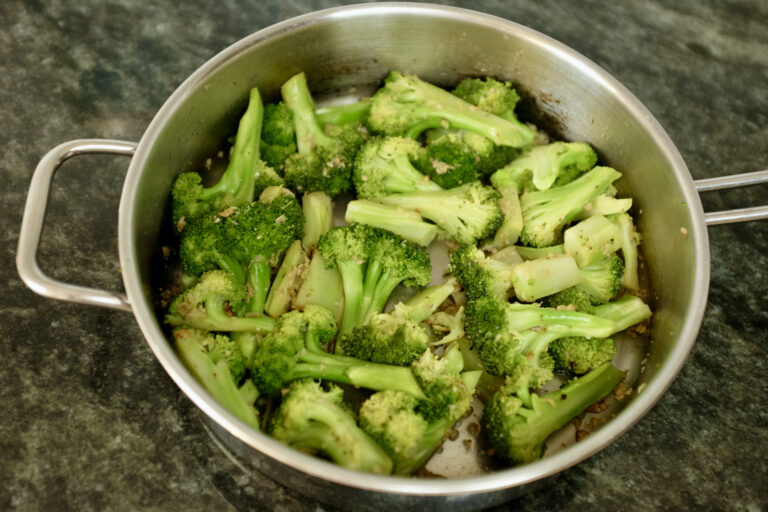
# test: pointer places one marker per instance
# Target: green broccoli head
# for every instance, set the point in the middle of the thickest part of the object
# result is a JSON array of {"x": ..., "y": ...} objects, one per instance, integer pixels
[
  {"x": 518, "y": 431},
  {"x": 387, "y": 339},
  {"x": 385, "y": 165},
  {"x": 479, "y": 275},
  {"x": 440, "y": 378},
  {"x": 209, "y": 304},
  {"x": 192, "y": 201},
  {"x": 600, "y": 284},
  {"x": 219, "y": 365},
  {"x": 278, "y": 135},
  {"x": 489, "y": 94},
  {"x": 548, "y": 165},
  {"x": 407, "y": 105},
  {"x": 323, "y": 161},
  {"x": 318, "y": 421},
  {"x": 463, "y": 214},
  {"x": 545, "y": 212},
  {"x": 372, "y": 262},
  {"x": 579, "y": 355},
  {"x": 448, "y": 161}
]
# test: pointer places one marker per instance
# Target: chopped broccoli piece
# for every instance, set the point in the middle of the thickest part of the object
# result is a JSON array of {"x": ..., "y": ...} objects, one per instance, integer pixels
[
  {"x": 605, "y": 204},
  {"x": 579, "y": 355},
  {"x": 318, "y": 217},
  {"x": 512, "y": 339},
  {"x": 208, "y": 303},
  {"x": 405, "y": 223},
  {"x": 625, "y": 311},
  {"x": 245, "y": 175},
  {"x": 448, "y": 161},
  {"x": 534, "y": 279},
  {"x": 554, "y": 164},
  {"x": 600, "y": 283},
  {"x": 322, "y": 162},
  {"x": 463, "y": 214},
  {"x": 219, "y": 366},
  {"x": 278, "y": 135},
  {"x": 497, "y": 98},
  {"x": 397, "y": 337},
  {"x": 509, "y": 203},
  {"x": 355, "y": 112},
  {"x": 287, "y": 281},
  {"x": 387, "y": 338},
  {"x": 372, "y": 263},
  {"x": 518, "y": 431},
  {"x": 316, "y": 420},
  {"x": 591, "y": 240},
  {"x": 407, "y": 105},
  {"x": 630, "y": 239},
  {"x": 384, "y": 166},
  {"x": 409, "y": 429},
  {"x": 545, "y": 212},
  {"x": 533, "y": 253},
  {"x": 479, "y": 275},
  {"x": 294, "y": 351}
]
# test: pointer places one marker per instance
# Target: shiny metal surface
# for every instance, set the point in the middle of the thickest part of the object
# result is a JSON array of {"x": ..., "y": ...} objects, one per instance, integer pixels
[
  {"x": 346, "y": 52},
  {"x": 736, "y": 180},
  {"x": 32, "y": 226}
]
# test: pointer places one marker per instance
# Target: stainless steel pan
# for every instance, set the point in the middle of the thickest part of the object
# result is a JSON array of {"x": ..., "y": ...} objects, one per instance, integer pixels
[{"x": 346, "y": 52}]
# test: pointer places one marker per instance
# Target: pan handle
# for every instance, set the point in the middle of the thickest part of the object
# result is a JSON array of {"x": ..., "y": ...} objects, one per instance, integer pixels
[
  {"x": 736, "y": 180},
  {"x": 32, "y": 226}
]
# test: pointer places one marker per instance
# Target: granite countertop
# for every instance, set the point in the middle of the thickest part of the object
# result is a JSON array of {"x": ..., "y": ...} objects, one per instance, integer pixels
[{"x": 90, "y": 421}]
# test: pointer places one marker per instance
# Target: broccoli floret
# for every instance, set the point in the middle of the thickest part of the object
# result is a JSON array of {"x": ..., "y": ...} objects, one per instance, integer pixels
[
  {"x": 554, "y": 164},
  {"x": 448, "y": 161},
  {"x": 397, "y": 337},
  {"x": 208, "y": 304},
  {"x": 294, "y": 351},
  {"x": 287, "y": 280},
  {"x": 605, "y": 204},
  {"x": 509, "y": 203},
  {"x": 322, "y": 162},
  {"x": 575, "y": 297},
  {"x": 545, "y": 212},
  {"x": 410, "y": 430},
  {"x": 497, "y": 98},
  {"x": 463, "y": 214},
  {"x": 387, "y": 338},
  {"x": 591, "y": 240},
  {"x": 278, "y": 136},
  {"x": 480, "y": 275},
  {"x": 217, "y": 363},
  {"x": 630, "y": 239},
  {"x": 348, "y": 113},
  {"x": 384, "y": 166},
  {"x": 625, "y": 311},
  {"x": 406, "y": 106},
  {"x": 488, "y": 157},
  {"x": 318, "y": 421},
  {"x": 405, "y": 223},
  {"x": 372, "y": 263},
  {"x": 600, "y": 283},
  {"x": 518, "y": 431},
  {"x": 512, "y": 339},
  {"x": 579, "y": 355},
  {"x": 245, "y": 176},
  {"x": 534, "y": 279}
]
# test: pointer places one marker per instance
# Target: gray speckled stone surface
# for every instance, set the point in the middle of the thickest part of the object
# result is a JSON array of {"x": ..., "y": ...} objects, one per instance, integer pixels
[{"x": 90, "y": 421}]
